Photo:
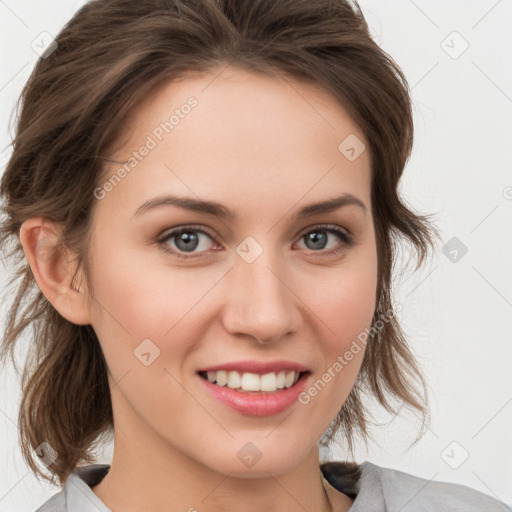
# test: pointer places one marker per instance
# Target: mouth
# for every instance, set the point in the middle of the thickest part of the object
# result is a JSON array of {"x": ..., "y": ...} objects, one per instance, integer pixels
[{"x": 253, "y": 383}]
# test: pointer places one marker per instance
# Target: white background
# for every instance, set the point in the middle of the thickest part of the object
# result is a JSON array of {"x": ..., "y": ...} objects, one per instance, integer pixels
[{"x": 457, "y": 314}]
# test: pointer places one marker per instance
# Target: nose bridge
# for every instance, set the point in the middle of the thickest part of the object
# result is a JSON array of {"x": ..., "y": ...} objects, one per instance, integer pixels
[{"x": 261, "y": 305}]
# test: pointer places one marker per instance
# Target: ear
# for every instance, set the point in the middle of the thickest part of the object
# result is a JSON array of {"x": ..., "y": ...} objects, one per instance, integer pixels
[{"x": 53, "y": 269}]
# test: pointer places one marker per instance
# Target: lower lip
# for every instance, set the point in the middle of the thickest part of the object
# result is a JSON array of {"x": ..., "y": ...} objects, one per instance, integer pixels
[{"x": 257, "y": 404}]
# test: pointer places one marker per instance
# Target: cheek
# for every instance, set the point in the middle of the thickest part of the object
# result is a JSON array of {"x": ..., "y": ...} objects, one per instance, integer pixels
[
  {"x": 351, "y": 306},
  {"x": 343, "y": 305},
  {"x": 345, "y": 300},
  {"x": 140, "y": 301},
  {"x": 137, "y": 297}
]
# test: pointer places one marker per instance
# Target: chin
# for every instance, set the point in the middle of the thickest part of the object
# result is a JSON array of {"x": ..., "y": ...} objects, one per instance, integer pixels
[{"x": 252, "y": 462}]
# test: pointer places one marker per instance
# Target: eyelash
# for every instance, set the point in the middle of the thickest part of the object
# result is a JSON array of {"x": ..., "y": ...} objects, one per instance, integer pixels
[{"x": 347, "y": 240}]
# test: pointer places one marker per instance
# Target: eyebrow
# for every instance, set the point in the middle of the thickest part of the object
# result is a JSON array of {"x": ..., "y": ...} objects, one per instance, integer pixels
[{"x": 216, "y": 209}]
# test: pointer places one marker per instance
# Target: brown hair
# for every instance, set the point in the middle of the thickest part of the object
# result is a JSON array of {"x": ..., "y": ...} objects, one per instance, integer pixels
[{"x": 108, "y": 56}]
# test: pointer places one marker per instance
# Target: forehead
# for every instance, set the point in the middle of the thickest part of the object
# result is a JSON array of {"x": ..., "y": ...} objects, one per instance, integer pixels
[
  {"x": 236, "y": 135},
  {"x": 238, "y": 95}
]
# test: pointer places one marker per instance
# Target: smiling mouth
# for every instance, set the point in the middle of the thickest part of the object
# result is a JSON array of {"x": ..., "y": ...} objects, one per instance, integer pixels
[{"x": 253, "y": 383}]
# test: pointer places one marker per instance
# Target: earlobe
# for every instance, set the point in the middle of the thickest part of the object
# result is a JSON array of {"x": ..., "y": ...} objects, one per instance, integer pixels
[{"x": 53, "y": 269}]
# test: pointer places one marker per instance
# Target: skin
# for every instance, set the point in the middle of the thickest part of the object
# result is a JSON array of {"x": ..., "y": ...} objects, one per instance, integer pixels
[{"x": 264, "y": 147}]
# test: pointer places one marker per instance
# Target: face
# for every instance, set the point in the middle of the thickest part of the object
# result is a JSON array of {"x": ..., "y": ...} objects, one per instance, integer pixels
[{"x": 256, "y": 278}]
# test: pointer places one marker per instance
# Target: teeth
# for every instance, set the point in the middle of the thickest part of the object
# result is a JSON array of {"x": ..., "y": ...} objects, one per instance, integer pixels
[
  {"x": 222, "y": 378},
  {"x": 249, "y": 382},
  {"x": 290, "y": 378},
  {"x": 268, "y": 382},
  {"x": 234, "y": 380},
  {"x": 252, "y": 381},
  {"x": 280, "y": 380}
]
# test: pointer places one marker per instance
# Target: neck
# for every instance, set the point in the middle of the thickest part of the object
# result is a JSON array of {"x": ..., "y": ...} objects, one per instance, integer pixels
[{"x": 186, "y": 485}]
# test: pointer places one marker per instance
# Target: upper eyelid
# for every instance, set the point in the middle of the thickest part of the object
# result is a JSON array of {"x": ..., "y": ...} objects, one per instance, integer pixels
[{"x": 172, "y": 231}]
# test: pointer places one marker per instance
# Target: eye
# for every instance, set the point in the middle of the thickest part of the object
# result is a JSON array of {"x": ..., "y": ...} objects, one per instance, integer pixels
[
  {"x": 317, "y": 239},
  {"x": 186, "y": 240},
  {"x": 189, "y": 238}
]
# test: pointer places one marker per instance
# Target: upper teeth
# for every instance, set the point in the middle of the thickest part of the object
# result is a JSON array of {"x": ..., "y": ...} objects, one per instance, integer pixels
[{"x": 253, "y": 381}]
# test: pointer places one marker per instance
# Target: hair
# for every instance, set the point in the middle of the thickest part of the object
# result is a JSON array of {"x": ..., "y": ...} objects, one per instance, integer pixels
[{"x": 107, "y": 58}]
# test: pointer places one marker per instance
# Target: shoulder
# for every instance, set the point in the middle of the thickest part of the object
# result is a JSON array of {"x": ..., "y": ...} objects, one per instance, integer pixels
[
  {"x": 77, "y": 493},
  {"x": 407, "y": 493},
  {"x": 378, "y": 489},
  {"x": 57, "y": 503}
]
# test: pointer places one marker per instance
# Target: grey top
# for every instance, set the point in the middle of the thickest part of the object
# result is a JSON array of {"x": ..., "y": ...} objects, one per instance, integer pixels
[{"x": 373, "y": 488}]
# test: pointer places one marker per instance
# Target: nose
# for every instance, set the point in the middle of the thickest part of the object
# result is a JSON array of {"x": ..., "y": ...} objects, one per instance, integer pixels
[{"x": 261, "y": 303}]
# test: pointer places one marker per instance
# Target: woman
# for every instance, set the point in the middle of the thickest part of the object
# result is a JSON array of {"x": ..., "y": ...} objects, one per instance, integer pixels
[{"x": 206, "y": 196}]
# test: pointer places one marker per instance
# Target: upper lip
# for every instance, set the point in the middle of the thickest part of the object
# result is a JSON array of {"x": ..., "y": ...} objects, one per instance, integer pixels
[{"x": 259, "y": 367}]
